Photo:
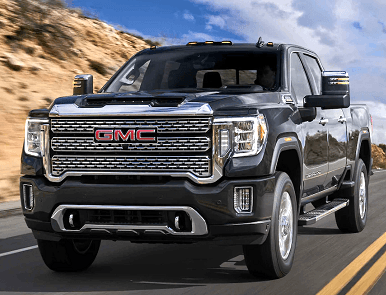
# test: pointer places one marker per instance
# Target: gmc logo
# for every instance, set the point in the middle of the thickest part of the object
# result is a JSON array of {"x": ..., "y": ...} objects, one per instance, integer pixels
[{"x": 125, "y": 135}]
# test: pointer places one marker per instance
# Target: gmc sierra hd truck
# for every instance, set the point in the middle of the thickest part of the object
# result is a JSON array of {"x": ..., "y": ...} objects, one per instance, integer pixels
[{"x": 211, "y": 141}]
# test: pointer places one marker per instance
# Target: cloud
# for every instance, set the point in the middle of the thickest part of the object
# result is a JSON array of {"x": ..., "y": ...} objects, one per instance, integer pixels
[
  {"x": 196, "y": 36},
  {"x": 377, "y": 111},
  {"x": 188, "y": 16},
  {"x": 316, "y": 14},
  {"x": 216, "y": 20},
  {"x": 208, "y": 27}
]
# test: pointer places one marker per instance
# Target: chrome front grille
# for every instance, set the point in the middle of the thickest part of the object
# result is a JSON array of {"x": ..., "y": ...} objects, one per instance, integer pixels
[
  {"x": 198, "y": 165},
  {"x": 163, "y": 125},
  {"x": 164, "y": 144},
  {"x": 183, "y": 147}
]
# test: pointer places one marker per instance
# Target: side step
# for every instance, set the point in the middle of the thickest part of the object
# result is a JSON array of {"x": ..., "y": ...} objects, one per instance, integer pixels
[{"x": 313, "y": 216}]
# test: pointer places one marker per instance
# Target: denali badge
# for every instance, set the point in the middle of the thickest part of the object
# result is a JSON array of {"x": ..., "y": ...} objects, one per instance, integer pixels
[{"x": 125, "y": 135}]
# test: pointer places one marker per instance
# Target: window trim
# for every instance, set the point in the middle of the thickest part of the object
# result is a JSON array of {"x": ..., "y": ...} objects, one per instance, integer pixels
[
  {"x": 314, "y": 91},
  {"x": 298, "y": 53}
]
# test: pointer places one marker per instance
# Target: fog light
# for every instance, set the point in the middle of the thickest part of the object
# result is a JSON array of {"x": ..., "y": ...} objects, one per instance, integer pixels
[
  {"x": 71, "y": 220},
  {"x": 28, "y": 196},
  {"x": 243, "y": 199}
]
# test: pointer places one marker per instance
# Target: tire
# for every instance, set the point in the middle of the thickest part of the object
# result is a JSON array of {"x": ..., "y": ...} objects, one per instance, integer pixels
[
  {"x": 353, "y": 217},
  {"x": 69, "y": 255},
  {"x": 269, "y": 259}
]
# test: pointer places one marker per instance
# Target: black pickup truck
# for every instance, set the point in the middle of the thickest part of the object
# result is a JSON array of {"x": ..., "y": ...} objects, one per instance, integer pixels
[{"x": 212, "y": 141}]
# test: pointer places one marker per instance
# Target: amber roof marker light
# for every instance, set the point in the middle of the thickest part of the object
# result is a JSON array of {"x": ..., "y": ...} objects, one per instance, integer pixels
[{"x": 194, "y": 43}]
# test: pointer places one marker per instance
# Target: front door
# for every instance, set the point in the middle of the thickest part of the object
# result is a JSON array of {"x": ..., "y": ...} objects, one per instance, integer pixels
[{"x": 314, "y": 134}]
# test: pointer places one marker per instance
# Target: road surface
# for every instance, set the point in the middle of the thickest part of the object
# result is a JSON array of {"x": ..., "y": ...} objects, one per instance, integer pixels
[{"x": 326, "y": 261}]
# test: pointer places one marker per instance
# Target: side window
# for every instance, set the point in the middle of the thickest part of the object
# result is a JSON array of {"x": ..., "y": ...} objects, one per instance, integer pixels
[
  {"x": 316, "y": 71},
  {"x": 299, "y": 82}
]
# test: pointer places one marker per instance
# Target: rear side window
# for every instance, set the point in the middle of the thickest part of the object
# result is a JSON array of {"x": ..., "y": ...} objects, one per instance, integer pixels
[
  {"x": 299, "y": 82},
  {"x": 316, "y": 71}
]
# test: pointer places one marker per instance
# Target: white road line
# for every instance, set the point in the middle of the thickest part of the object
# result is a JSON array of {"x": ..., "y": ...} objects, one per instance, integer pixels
[
  {"x": 18, "y": 251},
  {"x": 378, "y": 171},
  {"x": 231, "y": 263}
]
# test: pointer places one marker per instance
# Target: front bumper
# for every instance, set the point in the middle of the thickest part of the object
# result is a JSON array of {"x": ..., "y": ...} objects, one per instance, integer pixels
[{"x": 213, "y": 202}]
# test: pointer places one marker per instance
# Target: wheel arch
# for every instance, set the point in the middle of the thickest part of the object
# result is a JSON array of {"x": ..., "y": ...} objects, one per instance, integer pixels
[
  {"x": 287, "y": 157},
  {"x": 363, "y": 152}
]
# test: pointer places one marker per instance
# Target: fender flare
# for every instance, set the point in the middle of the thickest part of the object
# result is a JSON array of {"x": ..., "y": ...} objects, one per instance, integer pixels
[
  {"x": 283, "y": 144},
  {"x": 362, "y": 136}
]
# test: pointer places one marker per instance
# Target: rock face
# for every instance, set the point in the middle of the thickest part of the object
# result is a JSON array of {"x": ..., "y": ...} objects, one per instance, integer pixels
[
  {"x": 13, "y": 62},
  {"x": 379, "y": 157},
  {"x": 43, "y": 45}
]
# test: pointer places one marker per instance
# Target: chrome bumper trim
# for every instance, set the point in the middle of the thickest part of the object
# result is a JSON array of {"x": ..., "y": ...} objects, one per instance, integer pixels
[
  {"x": 267, "y": 221},
  {"x": 199, "y": 226}
]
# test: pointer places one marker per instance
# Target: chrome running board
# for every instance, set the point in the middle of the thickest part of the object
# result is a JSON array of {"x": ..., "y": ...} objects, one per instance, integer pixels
[{"x": 313, "y": 216}]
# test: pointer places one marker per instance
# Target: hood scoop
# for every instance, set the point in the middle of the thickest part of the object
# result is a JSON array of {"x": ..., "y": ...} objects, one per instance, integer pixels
[{"x": 153, "y": 101}]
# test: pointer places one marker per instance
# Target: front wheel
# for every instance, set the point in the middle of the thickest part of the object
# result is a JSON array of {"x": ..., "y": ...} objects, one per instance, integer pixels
[
  {"x": 69, "y": 255},
  {"x": 274, "y": 258}
]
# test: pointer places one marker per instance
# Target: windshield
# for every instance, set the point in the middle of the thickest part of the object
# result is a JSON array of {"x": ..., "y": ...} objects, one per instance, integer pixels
[{"x": 198, "y": 69}]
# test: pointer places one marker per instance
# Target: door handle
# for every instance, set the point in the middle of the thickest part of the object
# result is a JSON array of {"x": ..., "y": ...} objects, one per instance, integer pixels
[
  {"x": 323, "y": 121},
  {"x": 342, "y": 120}
]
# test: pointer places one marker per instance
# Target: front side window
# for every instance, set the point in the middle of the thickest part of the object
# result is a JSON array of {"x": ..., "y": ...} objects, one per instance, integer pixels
[
  {"x": 316, "y": 71},
  {"x": 299, "y": 82},
  {"x": 198, "y": 69}
]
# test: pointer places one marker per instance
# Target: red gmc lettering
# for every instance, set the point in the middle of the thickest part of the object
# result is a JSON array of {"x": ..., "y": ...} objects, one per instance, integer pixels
[
  {"x": 119, "y": 134},
  {"x": 139, "y": 135},
  {"x": 106, "y": 135}
]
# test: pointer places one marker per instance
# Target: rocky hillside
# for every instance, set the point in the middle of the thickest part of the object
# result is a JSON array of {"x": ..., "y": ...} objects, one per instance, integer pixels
[
  {"x": 379, "y": 156},
  {"x": 43, "y": 45}
]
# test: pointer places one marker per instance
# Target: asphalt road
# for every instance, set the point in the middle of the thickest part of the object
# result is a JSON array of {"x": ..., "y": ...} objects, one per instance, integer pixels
[{"x": 323, "y": 254}]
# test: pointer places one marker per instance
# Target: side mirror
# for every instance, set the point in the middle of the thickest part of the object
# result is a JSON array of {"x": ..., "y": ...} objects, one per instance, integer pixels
[
  {"x": 307, "y": 114},
  {"x": 83, "y": 84},
  {"x": 335, "y": 92}
]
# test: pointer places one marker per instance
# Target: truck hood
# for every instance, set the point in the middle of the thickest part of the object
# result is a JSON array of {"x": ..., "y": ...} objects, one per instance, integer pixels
[{"x": 167, "y": 102}]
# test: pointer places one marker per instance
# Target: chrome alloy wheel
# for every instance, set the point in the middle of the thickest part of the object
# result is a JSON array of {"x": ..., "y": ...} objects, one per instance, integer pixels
[
  {"x": 286, "y": 226},
  {"x": 362, "y": 196}
]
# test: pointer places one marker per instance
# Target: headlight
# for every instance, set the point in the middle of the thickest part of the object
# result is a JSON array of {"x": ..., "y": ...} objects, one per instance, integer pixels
[
  {"x": 244, "y": 136},
  {"x": 33, "y": 144}
]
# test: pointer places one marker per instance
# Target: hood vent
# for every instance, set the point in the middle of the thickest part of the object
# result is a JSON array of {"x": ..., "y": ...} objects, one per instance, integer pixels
[{"x": 153, "y": 101}]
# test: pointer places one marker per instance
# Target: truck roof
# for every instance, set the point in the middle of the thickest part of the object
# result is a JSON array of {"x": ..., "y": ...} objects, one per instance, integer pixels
[{"x": 267, "y": 47}]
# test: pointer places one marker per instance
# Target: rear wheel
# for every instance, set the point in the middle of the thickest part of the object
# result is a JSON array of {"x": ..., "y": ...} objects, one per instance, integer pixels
[
  {"x": 69, "y": 255},
  {"x": 353, "y": 217},
  {"x": 274, "y": 258}
]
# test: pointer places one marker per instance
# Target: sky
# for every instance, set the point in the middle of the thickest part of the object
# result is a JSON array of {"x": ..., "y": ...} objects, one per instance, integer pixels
[{"x": 347, "y": 35}]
